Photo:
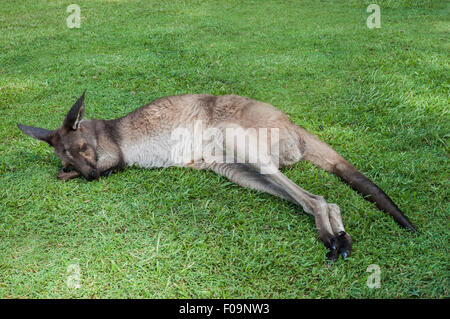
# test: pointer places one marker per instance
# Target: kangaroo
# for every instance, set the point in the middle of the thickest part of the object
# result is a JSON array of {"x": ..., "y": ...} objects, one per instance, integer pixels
[{"x": 144, "y": 137}]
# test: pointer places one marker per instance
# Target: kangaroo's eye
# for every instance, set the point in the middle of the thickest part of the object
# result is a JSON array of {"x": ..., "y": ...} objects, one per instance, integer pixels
[{"x": 83, "y": 147}]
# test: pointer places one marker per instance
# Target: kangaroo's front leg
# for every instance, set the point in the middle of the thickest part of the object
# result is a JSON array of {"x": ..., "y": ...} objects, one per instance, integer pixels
[
  {"x": 65, "y": 174},
  {"x": 327, "y": 216}
]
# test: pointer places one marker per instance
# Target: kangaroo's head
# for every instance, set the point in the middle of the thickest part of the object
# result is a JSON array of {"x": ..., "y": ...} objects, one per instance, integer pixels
[{"x": 75, "y": 144}]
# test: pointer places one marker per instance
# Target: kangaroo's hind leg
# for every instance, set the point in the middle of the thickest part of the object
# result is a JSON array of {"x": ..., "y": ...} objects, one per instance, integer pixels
[
  {"x": 244, "y": 175},
  {"x": 327, "y": 216},
  {"x": 249, "y": 165}
]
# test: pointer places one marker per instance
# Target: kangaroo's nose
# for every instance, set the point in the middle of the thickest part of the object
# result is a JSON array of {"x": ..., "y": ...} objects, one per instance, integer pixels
[{"x": 92, "y": 175}]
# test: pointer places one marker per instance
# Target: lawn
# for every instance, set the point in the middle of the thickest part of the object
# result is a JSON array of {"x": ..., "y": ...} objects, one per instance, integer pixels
[{"x": 378, "y": 96}]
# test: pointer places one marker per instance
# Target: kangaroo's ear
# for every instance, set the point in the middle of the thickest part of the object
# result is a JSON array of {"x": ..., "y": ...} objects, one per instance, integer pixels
[
  {"x": 37, "y": 133},
  {"x": 75, "y": 115}
]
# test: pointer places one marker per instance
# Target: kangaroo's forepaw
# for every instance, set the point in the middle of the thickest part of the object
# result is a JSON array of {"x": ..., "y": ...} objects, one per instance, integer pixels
[
  {"x": 340, "y": 245},
  {"x": 65, "y": 175}
]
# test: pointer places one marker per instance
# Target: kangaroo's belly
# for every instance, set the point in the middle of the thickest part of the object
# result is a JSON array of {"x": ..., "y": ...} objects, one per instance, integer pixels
[
  {"x": 175, "y": 148},
  {"x": 148, "y": 152}
]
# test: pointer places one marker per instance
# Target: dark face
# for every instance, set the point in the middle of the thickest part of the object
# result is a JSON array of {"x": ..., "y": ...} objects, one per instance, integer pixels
[
  {"x": 74, "y": 141},
  {"x": 76, "y": 149}
]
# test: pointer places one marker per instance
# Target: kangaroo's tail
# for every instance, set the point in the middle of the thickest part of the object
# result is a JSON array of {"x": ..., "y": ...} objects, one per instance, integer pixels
[{"x": 323, "y": 156}]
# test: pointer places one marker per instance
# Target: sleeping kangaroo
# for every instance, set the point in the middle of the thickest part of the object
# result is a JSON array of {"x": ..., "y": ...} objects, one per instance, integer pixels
[{"x": 145, "y": 137}]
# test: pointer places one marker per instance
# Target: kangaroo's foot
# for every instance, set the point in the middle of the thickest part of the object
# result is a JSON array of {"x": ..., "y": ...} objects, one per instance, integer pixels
[{"x": 341, "y": 242}]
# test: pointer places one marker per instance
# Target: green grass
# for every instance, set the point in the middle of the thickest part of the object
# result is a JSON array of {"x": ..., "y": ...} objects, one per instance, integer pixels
[{"x": 378, "y": 96}]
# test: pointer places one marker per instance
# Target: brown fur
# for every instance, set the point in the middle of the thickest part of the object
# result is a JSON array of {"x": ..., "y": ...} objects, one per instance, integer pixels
[{"x": 98, "y": 147}]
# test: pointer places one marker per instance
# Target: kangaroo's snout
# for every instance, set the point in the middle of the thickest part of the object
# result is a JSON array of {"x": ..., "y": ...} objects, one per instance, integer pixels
[{"x": 92, "y": 175}]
